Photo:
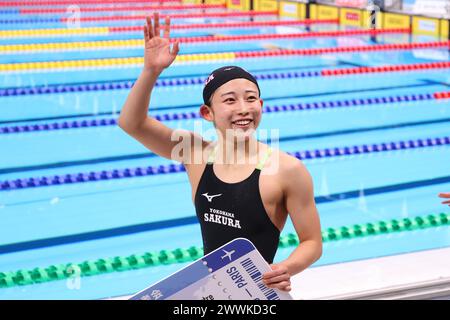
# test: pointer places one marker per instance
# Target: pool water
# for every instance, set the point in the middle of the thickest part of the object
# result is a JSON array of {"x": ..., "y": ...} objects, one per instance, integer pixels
[{"x": 76, "y": 222}]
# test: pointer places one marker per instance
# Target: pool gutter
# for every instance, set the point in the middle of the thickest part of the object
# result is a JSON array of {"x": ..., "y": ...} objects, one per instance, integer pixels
[{"x": 423, "y": 275}]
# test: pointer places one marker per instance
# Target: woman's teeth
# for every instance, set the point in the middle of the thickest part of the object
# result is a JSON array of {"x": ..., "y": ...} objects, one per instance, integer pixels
[{"x": 242, "y": 123}]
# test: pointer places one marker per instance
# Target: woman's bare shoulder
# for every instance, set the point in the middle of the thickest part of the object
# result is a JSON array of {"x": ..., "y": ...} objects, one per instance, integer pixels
[{"x": 290, "y": 167}]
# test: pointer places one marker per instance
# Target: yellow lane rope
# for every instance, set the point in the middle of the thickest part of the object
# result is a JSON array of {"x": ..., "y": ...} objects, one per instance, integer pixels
[
  {"x": 111, "y": 62},
  {"x": 54, "y": 32},
  {"x": 66, "y": 46}
]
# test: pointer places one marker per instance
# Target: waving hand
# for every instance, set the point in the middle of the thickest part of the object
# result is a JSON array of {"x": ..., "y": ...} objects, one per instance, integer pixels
[{"x": 157, "y": 54}]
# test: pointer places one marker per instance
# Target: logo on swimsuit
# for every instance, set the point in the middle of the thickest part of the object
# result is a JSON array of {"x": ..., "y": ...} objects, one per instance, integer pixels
[
  {"x": 211, "y": 196},
  {"x": 222, "y": 217}
]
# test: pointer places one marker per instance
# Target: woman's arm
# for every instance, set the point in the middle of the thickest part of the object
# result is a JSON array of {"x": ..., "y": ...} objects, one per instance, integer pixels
[
  {"x": 299, "y": 202},
  {"x": 134, "y": 118}
]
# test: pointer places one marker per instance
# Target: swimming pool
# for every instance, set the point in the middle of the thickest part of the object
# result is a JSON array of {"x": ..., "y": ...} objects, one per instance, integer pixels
[{"x": 58, "y": 120}]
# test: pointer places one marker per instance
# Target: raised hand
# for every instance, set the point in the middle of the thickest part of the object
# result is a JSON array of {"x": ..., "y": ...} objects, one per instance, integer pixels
[{"x": 157, "y": 54}]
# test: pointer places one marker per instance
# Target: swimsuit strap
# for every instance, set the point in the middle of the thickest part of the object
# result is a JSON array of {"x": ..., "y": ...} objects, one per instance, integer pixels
[
  {"x": 263, "y": 160},
  {"x": 212, "y": 155}
]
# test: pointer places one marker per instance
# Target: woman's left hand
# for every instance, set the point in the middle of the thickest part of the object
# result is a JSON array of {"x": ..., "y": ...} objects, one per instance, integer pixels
[{"x": 278, "y": 278}]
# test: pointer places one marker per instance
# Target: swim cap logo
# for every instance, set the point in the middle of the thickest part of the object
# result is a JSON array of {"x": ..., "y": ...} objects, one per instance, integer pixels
[{"x": 209, "y": 79}]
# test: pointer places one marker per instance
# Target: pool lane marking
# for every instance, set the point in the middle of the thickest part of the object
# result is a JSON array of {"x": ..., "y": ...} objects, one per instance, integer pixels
[
  {"x": 96, "y": 31},
  {"x": 138, "y": 43},
  {"x": 128, "y": 83},
  {"x": 65, "y": 65},
  {"x": 112, "y": 121},
  {"x": 434, "y": 82},
  {"x": 189, "y": 220},
  {"x": 115, "y": 18},
  {"x": 181, "y": 255},
  {"x": 112, "y": 9},
  {"x": 321, "y": 94},
  {"x": 92, "y": 176}
]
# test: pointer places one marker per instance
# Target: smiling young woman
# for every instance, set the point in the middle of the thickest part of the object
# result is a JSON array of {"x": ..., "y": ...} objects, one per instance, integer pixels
[{"x": 234, "y": 190}]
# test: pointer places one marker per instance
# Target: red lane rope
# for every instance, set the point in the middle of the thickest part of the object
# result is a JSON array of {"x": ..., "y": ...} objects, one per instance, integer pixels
[
  {"x": 381, "y": 47},
  {"x": 381, "y": 69},
  {"x": 74, "y": 2},
  {"x": 128, "y": 8},
  {"x": 442, "y": 95},
  {"x": 290, "y": 35},
  {"x": 231, "y": 25},
  {"x": 175, "y": 16}
]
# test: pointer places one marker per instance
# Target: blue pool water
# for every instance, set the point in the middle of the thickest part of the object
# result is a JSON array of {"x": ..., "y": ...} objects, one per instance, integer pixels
[{"x": 35, "y": 222}]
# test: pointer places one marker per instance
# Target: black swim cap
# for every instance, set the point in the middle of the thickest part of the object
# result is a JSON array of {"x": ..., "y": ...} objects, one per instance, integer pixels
[{"x": 221, "y": 76}]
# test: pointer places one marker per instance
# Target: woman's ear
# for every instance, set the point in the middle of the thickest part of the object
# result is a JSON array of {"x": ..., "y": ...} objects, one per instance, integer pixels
[{"x": 206, "y": 112}]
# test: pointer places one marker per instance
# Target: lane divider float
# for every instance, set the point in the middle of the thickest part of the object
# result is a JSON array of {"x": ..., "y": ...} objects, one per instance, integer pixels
[
  {"x": 141, "y": 17},
  {"x": 64, "y": 32},
  {"x": 102, "y": 122},
  {"x": 82, "y": 177},
  {"x": 124, "y": 8},
  {"x": 120, "y": 85},
  {"x": 139, "y": 43},
  {"x": 138, "y": 61},
  {"x": 182, "y": 255},
  {"x": 76, "y": 2}
]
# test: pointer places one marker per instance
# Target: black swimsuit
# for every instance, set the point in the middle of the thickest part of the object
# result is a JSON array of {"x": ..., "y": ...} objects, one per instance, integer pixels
[{"x": 227, "y": 211}]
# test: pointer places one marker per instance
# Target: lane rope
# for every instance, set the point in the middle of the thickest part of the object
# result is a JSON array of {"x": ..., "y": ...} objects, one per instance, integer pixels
[
  {"x": 138, "y": 61},
  {"x": 102, "y": 122},
  {"x": 120, "y": 85},
  {"x": 182, "y": 255},
  {"x": 125, "y": 8},
  {"x": 77, "y": 2},
  {"x": 141, "y": 17},
  {"x": 63, "y": 32},
  {"x": 349, "y": 49},
  {"x": 139, "y": 43},
  {"x": 82, "y": 177}
]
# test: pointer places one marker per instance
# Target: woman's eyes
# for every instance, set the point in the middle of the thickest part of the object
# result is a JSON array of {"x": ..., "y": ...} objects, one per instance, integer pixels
[{"x": 232, "y": 100}]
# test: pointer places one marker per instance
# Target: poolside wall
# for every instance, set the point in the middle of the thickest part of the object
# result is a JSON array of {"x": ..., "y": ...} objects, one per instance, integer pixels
[{"x": 419, "y": 24}]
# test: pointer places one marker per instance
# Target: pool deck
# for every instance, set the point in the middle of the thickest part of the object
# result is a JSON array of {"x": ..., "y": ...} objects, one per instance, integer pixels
[{"x": 418, "y": 275}]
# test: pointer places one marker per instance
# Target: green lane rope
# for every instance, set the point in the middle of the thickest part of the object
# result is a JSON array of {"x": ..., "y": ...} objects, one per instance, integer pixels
[{"x": 166, "y": 257}]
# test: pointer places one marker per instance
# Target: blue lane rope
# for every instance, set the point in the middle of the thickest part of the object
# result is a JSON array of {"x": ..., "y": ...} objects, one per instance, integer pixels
[
  {"x": 119, "y": 85},
  {"x": 14, "y": 21},
  {"x": 195, "y": 115},
  {"x": 10, "y": 11},
  {"x": 176, "y": 168}
]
